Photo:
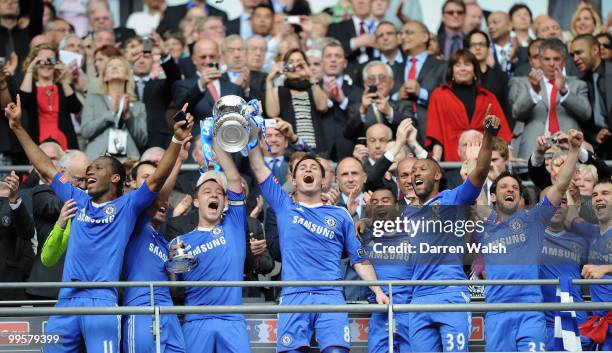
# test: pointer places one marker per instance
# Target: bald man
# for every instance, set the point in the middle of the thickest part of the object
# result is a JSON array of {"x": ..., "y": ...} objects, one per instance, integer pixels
[{"x": 203, "y": 90}]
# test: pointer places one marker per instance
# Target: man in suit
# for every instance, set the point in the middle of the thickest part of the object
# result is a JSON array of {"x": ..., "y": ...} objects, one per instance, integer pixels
[
  {"x": 202, "y": 91},
  {"x": 404, "y": 182},
  {"x": 377, "y": 137},
  {"x": 101, "y": 18},
  {"x": 548, "y": 100},
  {"x": 376, "y": 105},
  {"x": 505, "y": 49},
  {"x": 14, "y": 38},
  {"x": 388, "y": 45},
  {"x": 420, "y": 74},
  {"x": 234, "y": 51},
  {"x": 451, "y": 35},
  {"x": 155, "y": 93},
  {"x": 341, "y": 93},
  {"x": 208, "y": 28},
  {"x": 598, "y": 76},
  {"x": 174, "y": 14},
  {"x": 356, "y": 35},
  {"x": 241, "y": 25}
]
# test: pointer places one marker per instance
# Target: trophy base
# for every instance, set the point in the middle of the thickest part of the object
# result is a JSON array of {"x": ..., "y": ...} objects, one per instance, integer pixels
[
  {"x": 181, "y": 264},
  {"x": 232, "y": 136}
]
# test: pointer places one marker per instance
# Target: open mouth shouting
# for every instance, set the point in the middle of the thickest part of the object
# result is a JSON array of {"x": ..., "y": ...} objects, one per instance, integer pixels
[
  {"x": 418, "y": 181},
  {"x": 509, "y": 198},
  {"x": 213, "y": 205},
  {"x": 308, "y": 179}
]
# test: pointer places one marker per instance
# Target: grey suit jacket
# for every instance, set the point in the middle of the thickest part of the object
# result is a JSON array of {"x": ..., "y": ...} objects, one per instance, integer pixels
[
  {"x": 98, "y": 118},
  {"x": 574, "y": 109}
]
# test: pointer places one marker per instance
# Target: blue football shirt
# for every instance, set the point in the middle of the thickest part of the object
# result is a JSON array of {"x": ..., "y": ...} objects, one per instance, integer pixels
[
  {"x": 600, "y": 253},
  {"x": 98, "y": 236},
  {"x": 445, "y": 265},
  {"x": 220, "y": 253},
  {"x": 522, "y": 234},
  {"x": 312, "y": 239},
  {"x": 145, "y": 258},
  {"x": 562, "y": 255}
]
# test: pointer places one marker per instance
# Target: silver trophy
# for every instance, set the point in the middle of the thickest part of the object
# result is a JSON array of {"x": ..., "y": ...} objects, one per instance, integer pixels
[
  {"x": 231, "y": 128},
  {"x": 181, "y": 261}
]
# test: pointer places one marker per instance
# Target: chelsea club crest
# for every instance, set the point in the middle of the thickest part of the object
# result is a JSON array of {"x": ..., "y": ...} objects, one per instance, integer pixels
[
  {"x": 110, "y": 210},
  {"x": 516, "y": 225},
  {"x": 217, "y": 231},
  {"x": 330, "y": 222}
]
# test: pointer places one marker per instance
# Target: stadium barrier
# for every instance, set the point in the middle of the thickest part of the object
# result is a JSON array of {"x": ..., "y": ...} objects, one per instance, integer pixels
[{"x": 390, "y": 309}]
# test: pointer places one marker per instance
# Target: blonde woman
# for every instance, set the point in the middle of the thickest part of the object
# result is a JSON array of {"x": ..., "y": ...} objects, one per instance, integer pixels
[
  {"x": 114, "y": 121},
  {"x": 585, "y": 20},
  {"x": 49, "y": 98},
  {"x": 587, "y": 180}
]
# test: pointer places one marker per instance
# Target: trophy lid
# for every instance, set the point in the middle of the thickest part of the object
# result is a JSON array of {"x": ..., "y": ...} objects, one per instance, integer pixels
[{"x": 228, "y": 103}]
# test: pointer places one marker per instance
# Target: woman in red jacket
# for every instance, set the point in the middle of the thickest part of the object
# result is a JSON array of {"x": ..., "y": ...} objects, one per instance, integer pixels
[{"x": 458, "y": 106}]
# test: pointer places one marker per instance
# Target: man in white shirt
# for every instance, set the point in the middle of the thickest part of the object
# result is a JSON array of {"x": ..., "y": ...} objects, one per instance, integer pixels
[{"x": 499, "y": 28}]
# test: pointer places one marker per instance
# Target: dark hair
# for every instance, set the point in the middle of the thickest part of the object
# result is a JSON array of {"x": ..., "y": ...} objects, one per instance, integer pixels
[
  {"x": 505, "y": 174},
  {"x": 587, "y": 37},
  {"x": 117, "y": 168},
  {"x": 554, "y": 44},
  {"x": 537, "y": 41},
  {"x": 468, "y": 56},
  {"x": 134, "y": 170},
  {"x": 53, "y": 11},
  {"x": 456, "y": 2},
  {"x": 306, "y": 157},
  {"x": 264, "y": 5},
  {"x": 293, "y": 51},
  {"x": 170, "y": 34},
  {"x": 108, "y": 50},
  {"x": 608, "y": 37},
  {"x": 519, "y": 6},
  {"x": 468, "y": 37},
  {"x": 385, "y": 22},
  {"x": 603, "y": 181}
]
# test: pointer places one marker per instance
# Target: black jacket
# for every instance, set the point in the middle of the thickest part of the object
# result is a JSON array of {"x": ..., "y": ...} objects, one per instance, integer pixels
[
  {"x": 67, "y": 105},
  {"x": 174, "y": 14},
  {"x": 22, "y": 36},
  {"x": 45, "y": 208},
  {"x": 16, "y": 230},
  {"x": 157, "y": 98}
]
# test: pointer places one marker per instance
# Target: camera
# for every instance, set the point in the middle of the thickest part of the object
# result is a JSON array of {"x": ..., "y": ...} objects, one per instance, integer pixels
[
  {"x": 147, "y": 47},
  {"x": 120, "y": 147},
  {"x": 50, "y": 62},
  {"x": 552, "y": 140},
  {"x": 289, "y": 68},
  {"x": 372, "y": 89},
  {"x": 214, "y": 65},
  {"x": 2, "y": 61}
]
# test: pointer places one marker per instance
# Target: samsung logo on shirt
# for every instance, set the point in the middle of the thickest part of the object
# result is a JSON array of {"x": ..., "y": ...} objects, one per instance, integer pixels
[
  {"x": 313, "y": 227},
  {"x": 86, "y": 219},
  {"x": 510, "y": 240},
  {"x": 560, "y": 252},
  {"x": 202, "y": 248},
  {"x": 155, "y": 250}
]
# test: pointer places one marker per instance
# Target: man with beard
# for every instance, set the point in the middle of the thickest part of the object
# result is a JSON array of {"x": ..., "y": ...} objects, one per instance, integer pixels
[
  {"x": 99, "y": 235},
  {"x": 219, "y": 246},
  {"x": 562, "y": 255},
  {"x": 145, "y": 260},
  {"x": 381, "y": 207},
  {"x": 518, "y": 237},
  {"x": 599, "y": 262},
  {"x": 313, "y": 239},
  {"x": 443, "y": 331}
]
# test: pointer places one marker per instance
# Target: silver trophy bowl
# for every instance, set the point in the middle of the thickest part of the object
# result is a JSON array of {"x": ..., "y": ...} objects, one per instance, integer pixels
[
  {"x": 181, "y": 261},
  {"x": 231, "y": 129}
]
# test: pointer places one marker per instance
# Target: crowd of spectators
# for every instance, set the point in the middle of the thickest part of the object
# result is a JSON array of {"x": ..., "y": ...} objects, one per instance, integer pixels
[{"x": 338, "y": 83}]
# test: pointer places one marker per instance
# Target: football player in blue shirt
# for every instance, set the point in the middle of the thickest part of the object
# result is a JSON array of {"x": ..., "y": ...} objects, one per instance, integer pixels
[
  {"x": 382, "y": 206},
  {"x": 599, "y": 262},
  {"x": 562, "y": 255},
  {"x": 219, "y": 246},
  {"x": 100, "y": 231},
  {"x": 434, "y": 332},
  {"x": 313, "y": 237},
  {"x": 520, "y": 233},
  {"x": 145, "y": 260}
]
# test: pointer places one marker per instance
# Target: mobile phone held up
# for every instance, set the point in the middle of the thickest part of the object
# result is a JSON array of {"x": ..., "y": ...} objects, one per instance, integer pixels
[
  {"x": 179, "y": 116},
  {"x": 372, "y": 89}
]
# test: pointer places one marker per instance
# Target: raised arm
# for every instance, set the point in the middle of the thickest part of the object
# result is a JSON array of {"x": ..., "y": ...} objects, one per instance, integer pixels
[
  {"x": 258, "y": 165},
  {"x": 492, "y": 125},
  {"x": 37, "y": 157},
  {"x": 558, "y": 189},
  {"x": 234, "y": 181},
  {"x": 182, "y": 131}
]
